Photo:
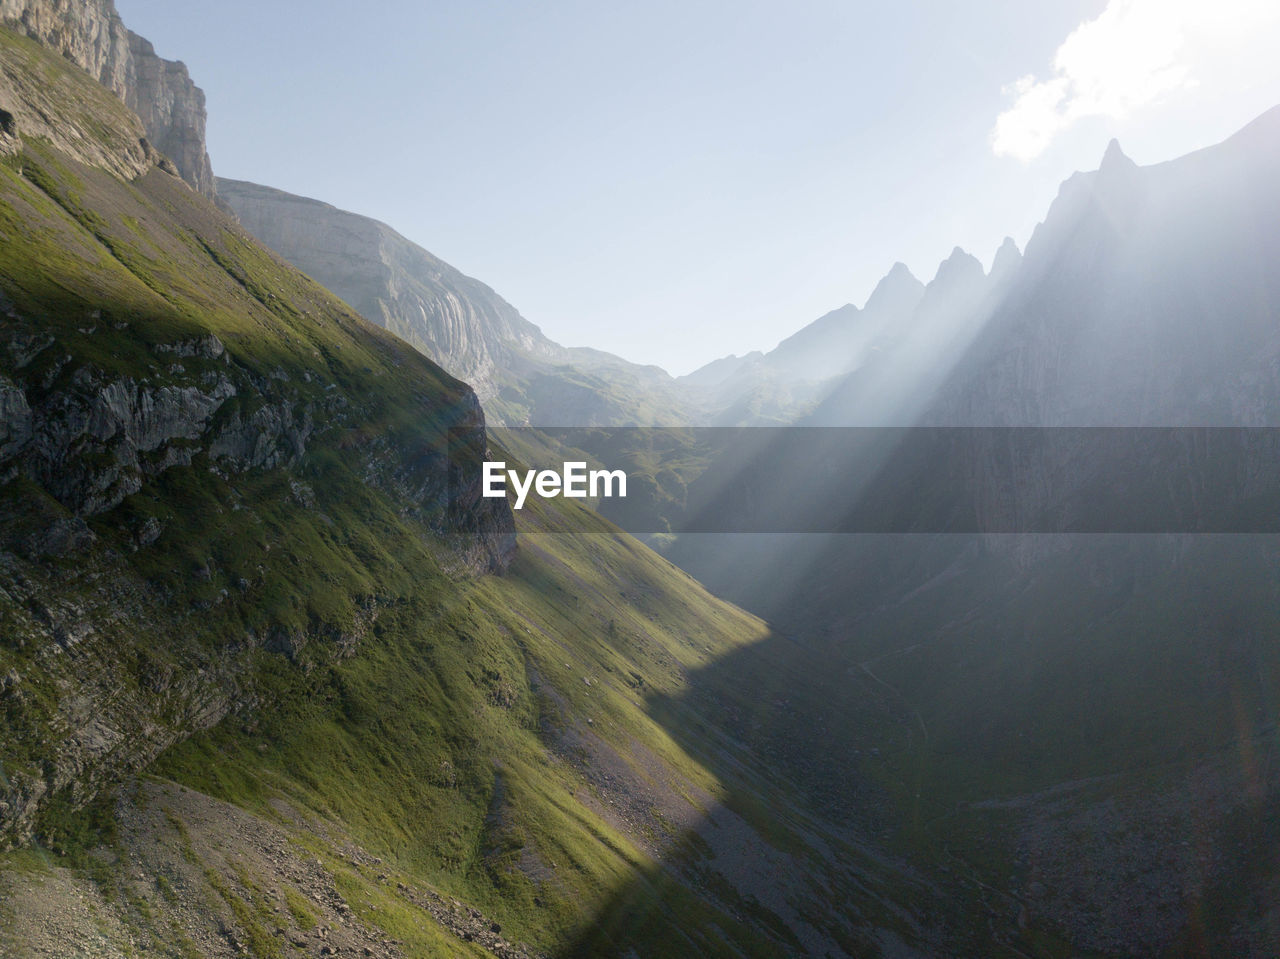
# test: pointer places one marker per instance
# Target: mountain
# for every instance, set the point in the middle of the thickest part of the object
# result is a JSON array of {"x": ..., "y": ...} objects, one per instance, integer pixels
[
  {"x": 795, "y": 378},
  {"x": 841, "y": 340},
  {"x": 459, "y": 322},
  {"x": 1148, "y": 296},
  {"x": 717, "y": 371},
  {"x": 1139, "y": 283},
  {"x": 160, "y": 92},
  {"x": 861, "y": 361},
  {"x": 833, "y": 344},
  {"x": 899, "y": 377},
  {"x": 159, "y": 369},
  {"x": 522, "y": 376},
  {"x": 1087, "y": 722},
  {"x": 275, "y": 680}
]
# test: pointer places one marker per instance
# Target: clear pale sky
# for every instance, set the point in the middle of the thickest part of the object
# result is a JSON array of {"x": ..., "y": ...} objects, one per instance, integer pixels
[{"x": 674, "y": 182}]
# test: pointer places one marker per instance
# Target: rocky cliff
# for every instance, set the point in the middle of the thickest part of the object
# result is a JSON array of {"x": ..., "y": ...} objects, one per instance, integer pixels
[
  {"x": 457, "y": 321},
  {"x": 522, "y": 376},
  {"x": 91, "y": 34}
]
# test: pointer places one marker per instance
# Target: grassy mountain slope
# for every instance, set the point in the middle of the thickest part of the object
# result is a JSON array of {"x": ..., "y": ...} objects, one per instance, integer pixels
[{"x": 268, "y": 689}]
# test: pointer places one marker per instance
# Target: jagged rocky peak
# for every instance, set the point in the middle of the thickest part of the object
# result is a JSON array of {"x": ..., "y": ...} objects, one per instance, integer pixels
[
  {"x": 1118, "y": 182},
  {"x": 899, "y": 291},
  {"x": 1006, "y": 261},
  {"x": 1116, "y": 186},
  {"x": 958, "y": 270},
  {"x": 1115, "y": 159},
  {"x": 90, "y": 34}
]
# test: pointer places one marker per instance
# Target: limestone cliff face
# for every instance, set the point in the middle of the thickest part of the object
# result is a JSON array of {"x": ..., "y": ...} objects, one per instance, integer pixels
[
  {"x": 91, "y": 34},
  {"x": 172, "y": 109},
  {"x": 522, "y": 376},
  {"x": 99, "y": 441},
  {"x": 459, "y": 322}
]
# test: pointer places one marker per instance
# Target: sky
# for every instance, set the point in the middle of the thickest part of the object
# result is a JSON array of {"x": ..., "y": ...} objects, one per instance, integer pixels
[{"x": 678, "y": 181}]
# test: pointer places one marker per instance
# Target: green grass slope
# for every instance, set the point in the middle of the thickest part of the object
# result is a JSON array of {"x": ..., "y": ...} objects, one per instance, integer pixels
[{"x": 262, "y": 680}]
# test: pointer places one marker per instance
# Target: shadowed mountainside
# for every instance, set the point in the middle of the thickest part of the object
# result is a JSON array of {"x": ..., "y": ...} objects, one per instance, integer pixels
[{"x": 1092, "y": 718}]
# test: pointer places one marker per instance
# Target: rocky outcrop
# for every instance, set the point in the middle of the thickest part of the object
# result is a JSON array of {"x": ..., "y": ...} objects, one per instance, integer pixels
[
  {"x": 102, "y": 439},
  {"x": 111, "y": 718},
  {"x": 172, "y": 109},
  {"x": 97, "y": 442},
  {"x": 161, "y": 92}
]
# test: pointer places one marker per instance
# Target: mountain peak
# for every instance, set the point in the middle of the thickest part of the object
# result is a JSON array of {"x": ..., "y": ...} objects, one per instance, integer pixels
[
  {"x": 1115, "y": 159},
  {"x": 897, "y": 290},
  {"x": 1006, "y": 260},
  {"x": 959, "y": 264}
]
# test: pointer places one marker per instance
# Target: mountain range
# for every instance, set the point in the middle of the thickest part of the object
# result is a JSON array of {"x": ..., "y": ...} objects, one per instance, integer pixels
[{"x": 276, "y": 680}]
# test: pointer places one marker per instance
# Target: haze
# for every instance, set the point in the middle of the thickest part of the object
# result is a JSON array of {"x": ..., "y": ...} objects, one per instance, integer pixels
[{"x": 676, "y": 182}]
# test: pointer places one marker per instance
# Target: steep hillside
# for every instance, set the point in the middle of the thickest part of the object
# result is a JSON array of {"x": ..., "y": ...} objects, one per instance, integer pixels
[
  {"x": 276, "y": 681},
  {"x": 160, "y": 370},
  {"x": 522, "y": 376},
  {"x": 1090, "y": 720}
]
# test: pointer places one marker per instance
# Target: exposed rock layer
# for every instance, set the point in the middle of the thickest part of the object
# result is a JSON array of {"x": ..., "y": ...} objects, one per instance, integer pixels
[
  {"x": 161, "y": 92},
  {"x": 522, "y": 376},
  {"x": 459, "y": 322}
]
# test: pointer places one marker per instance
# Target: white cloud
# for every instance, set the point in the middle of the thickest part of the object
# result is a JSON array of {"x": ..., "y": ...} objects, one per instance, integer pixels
[{"x": 1137, "y": 52}]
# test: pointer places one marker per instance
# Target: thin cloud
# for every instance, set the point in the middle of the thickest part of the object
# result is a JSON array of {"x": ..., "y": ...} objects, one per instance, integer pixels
[{"x": 1135, "y": 53}]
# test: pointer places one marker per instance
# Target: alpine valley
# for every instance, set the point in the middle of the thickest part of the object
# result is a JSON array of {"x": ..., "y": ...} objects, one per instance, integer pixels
[{"x": 277, "y": 680}]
